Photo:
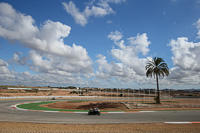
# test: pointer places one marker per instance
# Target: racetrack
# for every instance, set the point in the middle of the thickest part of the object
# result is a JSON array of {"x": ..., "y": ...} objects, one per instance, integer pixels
[{"x": 9, "y": 114}]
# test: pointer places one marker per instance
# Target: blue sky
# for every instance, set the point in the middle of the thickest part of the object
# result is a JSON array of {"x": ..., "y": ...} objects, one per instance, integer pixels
[{"x": 95, "y": 43}]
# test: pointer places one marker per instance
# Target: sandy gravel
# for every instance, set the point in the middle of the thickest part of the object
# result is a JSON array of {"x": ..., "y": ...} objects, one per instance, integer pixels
[{"x": 13, "y": 127}]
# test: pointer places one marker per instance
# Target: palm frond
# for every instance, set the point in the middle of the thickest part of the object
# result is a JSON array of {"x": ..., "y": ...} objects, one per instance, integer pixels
[{"x": 157, "y": 67}]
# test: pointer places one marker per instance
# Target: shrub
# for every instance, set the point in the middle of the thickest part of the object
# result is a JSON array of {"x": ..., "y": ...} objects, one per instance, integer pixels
[{"x": 73, "y": 92}]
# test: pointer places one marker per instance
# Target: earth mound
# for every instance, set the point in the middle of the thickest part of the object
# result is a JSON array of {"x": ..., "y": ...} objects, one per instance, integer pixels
[{"x": 87, "y": 105}]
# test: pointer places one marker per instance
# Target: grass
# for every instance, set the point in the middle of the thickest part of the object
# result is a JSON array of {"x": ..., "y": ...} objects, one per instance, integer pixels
[{"x": 36, "y": 106}]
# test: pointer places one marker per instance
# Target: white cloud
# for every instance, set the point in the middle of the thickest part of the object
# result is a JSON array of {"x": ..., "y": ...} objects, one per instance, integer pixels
[
  {"x": 97, "y": 11},
  {"x": 75, "y": 13},
  {"x": 53, "y": 78},
  {"x": 49, "y": 53},
  {"x": 128, "y": 54},
  {"x": 109, "y": 70},
  {"x": 4, "y": 67},
  {"x": 181, "y": 77},
  {"x": 140, "y": 42},
  {"x": 129, "y": 67},
  {"x": 5, "y": 73},
  {"x": 58, "y": 65},
  {"x": 185, "y": 54},
  {"x": 186, "y": 59},
  {"x": 19, "y": 59},
  {"x": 15, "y": 25},
  {"x": 115, "y": 36},
  {"x": 102, "y": 8},
  {"x": 3, "y": 63}
]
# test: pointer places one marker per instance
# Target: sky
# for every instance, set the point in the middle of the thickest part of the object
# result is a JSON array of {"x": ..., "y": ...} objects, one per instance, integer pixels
[{"x": 99, "y": 43}]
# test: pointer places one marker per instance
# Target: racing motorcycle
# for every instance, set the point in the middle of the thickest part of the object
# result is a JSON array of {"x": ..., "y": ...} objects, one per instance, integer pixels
[{"x": 95, "y": 111}]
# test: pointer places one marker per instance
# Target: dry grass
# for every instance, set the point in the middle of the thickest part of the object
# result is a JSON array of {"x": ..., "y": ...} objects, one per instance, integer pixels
[{"x": 14, "y": 127}]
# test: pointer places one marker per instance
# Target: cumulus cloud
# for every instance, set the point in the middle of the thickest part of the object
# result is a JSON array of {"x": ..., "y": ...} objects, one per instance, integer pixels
[
  {"x": 128, "y": 54},
  {"x": 3, "y": 63},
  {"x": 100, "y": 9},
  {"x": 19, "y": 59},
  {"x": 50, "y": 78},
  {"x": 49, "y": 53},
  {"x": 186, "y": 59},
  {"x": 115, "y": 36},
  {"x": 140, "y": 42},
  {"x": 15, "y": 25},
  {"x": 58, "y": 65},
  {"x": 179, "y": 76},
  {"x": 5, "y": 74},
  {"x": 185, "y": 54},
  {"x": 129, "y": 66},
  {"x": 4, "y": 68},
  {"x": 117, "y": 70},
  {"x": 75, "y": 13}
]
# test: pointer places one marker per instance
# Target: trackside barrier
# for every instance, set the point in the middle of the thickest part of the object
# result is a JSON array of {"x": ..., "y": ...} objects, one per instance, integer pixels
[{"x": 48, "y": 97}]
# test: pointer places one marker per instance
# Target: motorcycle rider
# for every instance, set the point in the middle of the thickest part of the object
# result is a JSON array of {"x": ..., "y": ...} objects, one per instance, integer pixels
[
  {"x": 91, "y": 110},
  {"x": 96, "y": 109}
]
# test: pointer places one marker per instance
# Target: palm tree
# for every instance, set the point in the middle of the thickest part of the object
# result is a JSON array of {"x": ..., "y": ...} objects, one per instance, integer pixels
[{"x": 157, "y": 68}]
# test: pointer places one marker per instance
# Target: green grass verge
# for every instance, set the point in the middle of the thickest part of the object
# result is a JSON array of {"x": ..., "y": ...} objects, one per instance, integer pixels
[{"x": 36, "y": 106}]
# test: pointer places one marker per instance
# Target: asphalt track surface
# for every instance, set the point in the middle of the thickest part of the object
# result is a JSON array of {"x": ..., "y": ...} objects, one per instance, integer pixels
[{"x": 13, "y": 115}]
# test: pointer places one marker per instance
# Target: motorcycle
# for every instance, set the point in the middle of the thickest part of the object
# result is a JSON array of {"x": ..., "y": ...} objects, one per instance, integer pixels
[{"x": 94, "y": 112}]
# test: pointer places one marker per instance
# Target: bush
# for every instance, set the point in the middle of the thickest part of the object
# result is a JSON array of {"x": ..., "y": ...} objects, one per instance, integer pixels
[
  {"x": 73, "y": 92},
  {"x": 35, "y": 90},
  {"x": 71, "y": 87},
  {"x": 121, "y": 95}
]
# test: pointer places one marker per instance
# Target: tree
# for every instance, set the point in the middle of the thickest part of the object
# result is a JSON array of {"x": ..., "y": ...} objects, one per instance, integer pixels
[{"x": 157, "y": 68}]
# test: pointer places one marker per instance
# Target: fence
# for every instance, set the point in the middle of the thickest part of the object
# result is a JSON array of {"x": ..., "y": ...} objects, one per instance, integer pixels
[{"x": 47, "y": 97}]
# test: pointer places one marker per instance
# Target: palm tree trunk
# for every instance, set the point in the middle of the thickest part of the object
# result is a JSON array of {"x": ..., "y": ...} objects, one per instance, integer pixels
[{"x": 158, "y": 91}]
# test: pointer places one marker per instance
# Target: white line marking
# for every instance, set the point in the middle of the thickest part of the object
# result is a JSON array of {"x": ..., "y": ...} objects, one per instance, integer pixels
[
  {"x": 178, "y": 122},
  {"x": 51, "y": 111},
  {"x": 146, "y": 111},
  {"x": 80, "y": 112},
  {"x": 116, "y": 112}
]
